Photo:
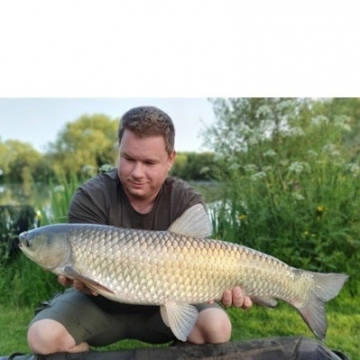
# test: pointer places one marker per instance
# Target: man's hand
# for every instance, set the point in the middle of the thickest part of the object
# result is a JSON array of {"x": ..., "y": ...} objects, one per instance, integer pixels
[
  {"x": 78, "y": 285},
  {"x": 236, "y": 298}
]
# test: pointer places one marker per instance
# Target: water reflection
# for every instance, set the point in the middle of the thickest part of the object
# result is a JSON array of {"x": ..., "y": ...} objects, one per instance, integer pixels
[{"x": 35, "y": 195}]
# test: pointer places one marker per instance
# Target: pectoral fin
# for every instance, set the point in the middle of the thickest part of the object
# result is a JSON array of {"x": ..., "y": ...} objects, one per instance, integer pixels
[
  {"x": 70, "y": 272},
  {"x": 180, "y": 318},
  {"x": 193, "y": 222}
]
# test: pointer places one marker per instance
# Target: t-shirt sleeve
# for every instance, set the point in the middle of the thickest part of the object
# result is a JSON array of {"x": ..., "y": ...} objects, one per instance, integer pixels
[
  {"x": 184, "y": 197},
  {"x": 88, "y": 205}
]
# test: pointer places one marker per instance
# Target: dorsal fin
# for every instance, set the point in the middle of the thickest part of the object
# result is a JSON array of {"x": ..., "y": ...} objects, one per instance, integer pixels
[{"x": 193, "y": 222}]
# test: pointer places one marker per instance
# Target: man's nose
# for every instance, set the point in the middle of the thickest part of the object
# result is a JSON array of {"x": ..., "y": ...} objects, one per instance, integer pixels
[{"x": 138, "y": 169}]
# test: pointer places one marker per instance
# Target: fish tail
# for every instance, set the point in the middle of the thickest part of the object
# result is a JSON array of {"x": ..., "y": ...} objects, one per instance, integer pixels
[{"x": 326, "y": 287}]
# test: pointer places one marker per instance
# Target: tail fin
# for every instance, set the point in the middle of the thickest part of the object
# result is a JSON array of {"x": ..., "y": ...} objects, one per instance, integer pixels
[{"x": 326, "y": 287}]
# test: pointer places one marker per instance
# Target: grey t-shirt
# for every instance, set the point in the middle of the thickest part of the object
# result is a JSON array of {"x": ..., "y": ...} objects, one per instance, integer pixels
[{"x": 102, "y": 200}]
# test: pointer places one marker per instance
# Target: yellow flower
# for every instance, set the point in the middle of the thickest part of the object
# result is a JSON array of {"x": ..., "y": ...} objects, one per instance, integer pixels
[{"x": 38, "y": 215}]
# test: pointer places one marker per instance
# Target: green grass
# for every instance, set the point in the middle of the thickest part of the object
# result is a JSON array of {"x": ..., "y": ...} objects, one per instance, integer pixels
[
  {"x": 343, "y": 324},
  {"x": 258, "y": 322},
  {"x": 13, "y": 322}
]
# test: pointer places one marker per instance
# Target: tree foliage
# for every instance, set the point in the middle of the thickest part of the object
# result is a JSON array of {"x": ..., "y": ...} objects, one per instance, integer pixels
[
  {"x": 247, "y": 126},
  {"x": 194, "y": 166},
  {"x": 20, "y": 162},
  {"x": 243, "y": 120},
  {"x": 88, "y": 142}
]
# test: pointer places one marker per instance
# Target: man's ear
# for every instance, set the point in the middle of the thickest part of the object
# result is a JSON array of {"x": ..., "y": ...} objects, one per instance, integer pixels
[{"x": 171, "y": 158}]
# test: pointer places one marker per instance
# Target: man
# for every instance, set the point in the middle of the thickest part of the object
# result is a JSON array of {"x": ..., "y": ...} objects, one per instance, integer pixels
[{"x": 138, "y": 194}]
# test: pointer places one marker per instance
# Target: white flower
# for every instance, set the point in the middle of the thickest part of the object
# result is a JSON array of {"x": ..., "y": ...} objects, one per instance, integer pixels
[
  {"x": 299, "y": 166},
  {"x": 245, "y": 130},
  {"x": 253, "y": 141},
  {"x": 59, "y": 188},
  {"x": 320, "y": 119},
  {"x": 263, "y": 110},
  {"x": 250, "y": 168},
  {"x": 353, "y": 168},
  {"x": 297, "y": 196},
  {"x": 234, "y": 167},
  {"x": 266, "y": 168},
  {"x": 258, "y": 176},
  {"x": 331, "y": 150},
  {"x": 312, "y": 153},
  {"x": 343, "y": 122},
  {"x": 269, "y": 153},
  {"x": 88, "y": 170},
  {"x": 294, "y": 131},
  {"x": 106, "y": 167}
]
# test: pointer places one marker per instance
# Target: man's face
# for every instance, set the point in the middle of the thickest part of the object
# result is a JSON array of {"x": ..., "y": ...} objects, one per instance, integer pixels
[{"x": 143, "y": 165}]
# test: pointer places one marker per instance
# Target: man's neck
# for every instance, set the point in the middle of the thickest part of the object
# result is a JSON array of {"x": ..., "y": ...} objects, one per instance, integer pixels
[{"x": 142, "y": 206}]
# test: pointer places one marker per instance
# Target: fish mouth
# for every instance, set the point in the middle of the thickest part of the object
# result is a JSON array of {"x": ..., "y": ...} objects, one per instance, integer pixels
[{"x": 23, "y": 240}]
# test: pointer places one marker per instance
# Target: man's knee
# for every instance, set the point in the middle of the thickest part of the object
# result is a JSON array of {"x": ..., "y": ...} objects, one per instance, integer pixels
[
  {"x": 212, "y": 327},
  {"x": 49, "y": 336},
  {"x": 219, "y": 326}
]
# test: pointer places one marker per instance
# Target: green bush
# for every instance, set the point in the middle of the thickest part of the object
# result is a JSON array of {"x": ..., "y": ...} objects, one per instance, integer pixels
[{"x": 296, "y": 196}]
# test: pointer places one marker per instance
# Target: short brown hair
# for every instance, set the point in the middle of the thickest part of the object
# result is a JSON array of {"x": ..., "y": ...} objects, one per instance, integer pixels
[{"x": 146, "y": 121}]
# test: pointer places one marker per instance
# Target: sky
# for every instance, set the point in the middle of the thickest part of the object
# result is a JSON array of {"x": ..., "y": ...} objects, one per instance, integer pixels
[
  {"x": 38, "y": 120},
  {"x": 61, "y": 59}
]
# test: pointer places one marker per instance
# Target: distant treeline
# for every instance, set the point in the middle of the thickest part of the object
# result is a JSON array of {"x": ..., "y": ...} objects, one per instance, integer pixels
[
  {"x": 242, "y": 126},
  {"x": 83, "y": 148}
]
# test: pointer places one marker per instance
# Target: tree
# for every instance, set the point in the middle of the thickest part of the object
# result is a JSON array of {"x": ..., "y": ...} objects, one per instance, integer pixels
[
  {"x": 19, "y": 161},
  {"x": 3, "y": 160},
  {"x": 347, "y": 111},
  {"x": 242, "y": 121},
  {"x": 88, "y": 142},
  {"x": 247, "y": 127},
  {"x": 194, "y": 166}
]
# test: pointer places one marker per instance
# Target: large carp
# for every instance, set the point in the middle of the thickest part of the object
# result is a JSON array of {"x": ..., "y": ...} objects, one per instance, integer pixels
[{"x": 177, "y": 268}]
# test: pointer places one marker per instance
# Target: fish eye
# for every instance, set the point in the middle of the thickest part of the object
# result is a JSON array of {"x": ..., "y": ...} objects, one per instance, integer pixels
[{"x": 28, "y": 242}]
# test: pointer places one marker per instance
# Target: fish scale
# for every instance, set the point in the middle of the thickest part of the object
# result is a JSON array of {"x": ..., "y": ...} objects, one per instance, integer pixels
[
  {"x": 213, "y": 267},
  {"x": 177, "y": 268}
]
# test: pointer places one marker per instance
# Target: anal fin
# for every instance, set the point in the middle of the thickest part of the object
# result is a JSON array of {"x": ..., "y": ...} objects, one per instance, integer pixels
[
  {"x": 264, "y": 301},
  {"x": 180, "y": 318}
]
